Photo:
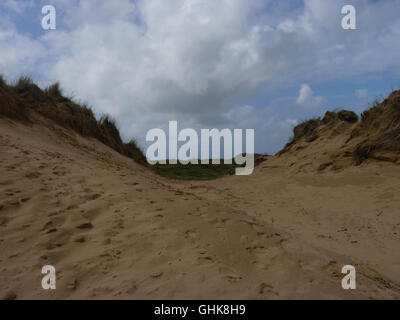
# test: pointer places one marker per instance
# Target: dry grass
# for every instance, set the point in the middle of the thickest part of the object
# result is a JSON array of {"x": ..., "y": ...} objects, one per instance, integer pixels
[
  {"x": 306, "y": 127},
  {"x": 3, "y": 82},
  {"x": 54, "y": 91},
  {"x": 378, "y": 132},
  {"x": 396, "y": 109},
  {"x": 10, "y": 104},
  {"x": 380, "y": 127},
  {"x": 348, "y": 116},
  {"x": 22, "y": 98}
]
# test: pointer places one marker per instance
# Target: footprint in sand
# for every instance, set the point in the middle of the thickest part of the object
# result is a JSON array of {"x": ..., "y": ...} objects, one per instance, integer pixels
[
  {"x": 255, "y": 246},
  {"x": 156, "y": 274},
  {"x": 48, "y": 225},
  {"x": 52, "y": 230},
  {"x": 85, "y": 225},
  {"x": 205, "y": 256},
  {"x": 80, "y": 239},
  {"x": 190, "y": 234},
  {"x": 229, "y": 274},
  {"x": 4, "y": 221},
  {"x": 92, "y": 197},
  {"x": 14, "y": 202},
  {"x": 32, "y": 175},
  {"x": 265, "y": 288},
  {"x": 131, "y": 183}
]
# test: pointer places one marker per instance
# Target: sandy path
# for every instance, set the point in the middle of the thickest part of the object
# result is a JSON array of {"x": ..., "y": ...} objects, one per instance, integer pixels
[
  {"x": 114, "y": 230},
  {"x": 353, "y": 213}
]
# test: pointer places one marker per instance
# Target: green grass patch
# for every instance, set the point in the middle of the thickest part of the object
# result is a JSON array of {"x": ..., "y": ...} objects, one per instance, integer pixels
[{"x": 195, "y": 171}]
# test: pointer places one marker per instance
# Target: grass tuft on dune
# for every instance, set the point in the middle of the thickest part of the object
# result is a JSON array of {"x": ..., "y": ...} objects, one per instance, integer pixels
[{"x": 24, "y": 100}]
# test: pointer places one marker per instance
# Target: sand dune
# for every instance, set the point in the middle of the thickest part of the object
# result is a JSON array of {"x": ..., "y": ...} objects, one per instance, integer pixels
[{"x": 113, "y": 229}]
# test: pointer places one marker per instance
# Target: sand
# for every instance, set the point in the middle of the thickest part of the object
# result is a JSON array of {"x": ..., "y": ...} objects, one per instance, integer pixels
[{"x": 113, "y": 229}]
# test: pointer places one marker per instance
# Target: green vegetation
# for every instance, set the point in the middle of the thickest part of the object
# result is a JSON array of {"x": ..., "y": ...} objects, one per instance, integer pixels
[{"x": 195, "y": 171}]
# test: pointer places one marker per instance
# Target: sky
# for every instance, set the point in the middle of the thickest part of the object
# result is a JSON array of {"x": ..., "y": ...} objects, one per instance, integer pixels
[{"x": 261, "y": 64}]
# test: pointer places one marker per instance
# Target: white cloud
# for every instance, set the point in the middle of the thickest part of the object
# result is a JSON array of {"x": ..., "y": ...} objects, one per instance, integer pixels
[
  {"x": 149, "y": 61},
  {"x": 18, "y": 6},
  {"x": 287, "y": 26},
  {"x": 19, "y": 54},
  {"x": 307, "y": 98}
]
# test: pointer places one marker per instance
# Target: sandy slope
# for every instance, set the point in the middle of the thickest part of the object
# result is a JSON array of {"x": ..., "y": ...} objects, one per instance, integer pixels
[{"x": 113, "y": 229}]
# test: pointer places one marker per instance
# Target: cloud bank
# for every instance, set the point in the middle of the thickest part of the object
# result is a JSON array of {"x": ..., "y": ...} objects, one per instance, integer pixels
[{"x": 204, "y": 63}]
